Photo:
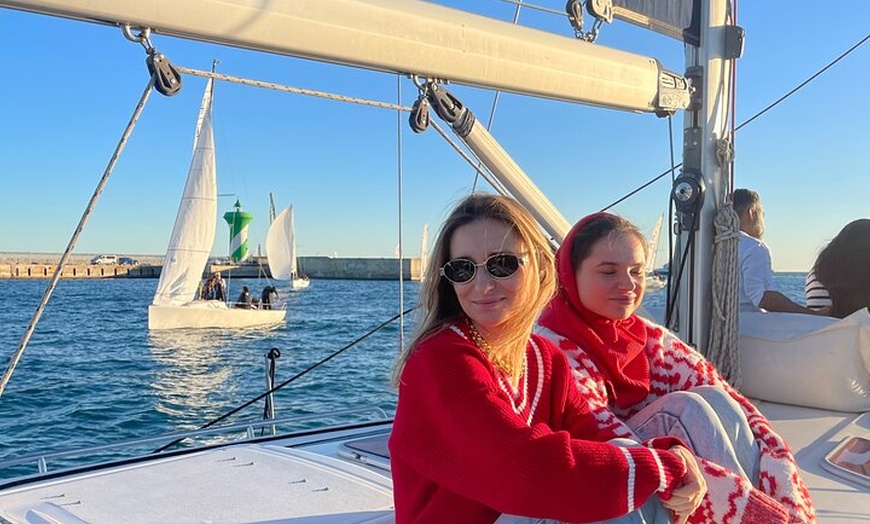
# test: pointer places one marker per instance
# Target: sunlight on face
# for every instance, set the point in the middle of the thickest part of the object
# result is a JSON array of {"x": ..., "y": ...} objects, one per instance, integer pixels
[
  {"x": 486, "y": 300},
  {"x": 612, "y": 279}
]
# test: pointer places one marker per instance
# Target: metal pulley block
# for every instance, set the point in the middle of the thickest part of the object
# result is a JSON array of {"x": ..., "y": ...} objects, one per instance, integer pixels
[
  {"x": 419, "y": 117},
  {"x": 600, "y": 9},
  {"x": 574, "y": 8},
  {"x": 167, "y": 79},
  {"x": 447, "y": 106}
]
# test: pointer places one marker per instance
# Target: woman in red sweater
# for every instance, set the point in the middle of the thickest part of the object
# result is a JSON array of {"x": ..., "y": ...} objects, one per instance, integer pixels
[
  {"x": 489, "y": 425},
  {"x": 642, "y": 381}
]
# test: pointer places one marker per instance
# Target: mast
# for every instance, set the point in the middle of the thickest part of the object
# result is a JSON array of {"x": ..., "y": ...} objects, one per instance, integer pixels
[{"x": 702, "y": 186}]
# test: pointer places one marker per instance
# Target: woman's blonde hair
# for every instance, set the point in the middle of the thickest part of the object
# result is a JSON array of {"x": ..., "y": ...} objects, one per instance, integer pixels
[{"x": 438, "y": 304}]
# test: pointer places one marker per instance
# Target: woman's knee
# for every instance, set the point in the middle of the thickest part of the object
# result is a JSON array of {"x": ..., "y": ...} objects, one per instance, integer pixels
[
  {"x": 690, "y": 403},
  {"x": 718, "y": 399}
]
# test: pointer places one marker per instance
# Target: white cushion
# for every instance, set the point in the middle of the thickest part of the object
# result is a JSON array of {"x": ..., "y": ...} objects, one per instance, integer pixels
[{"x": 807, "y": 360}]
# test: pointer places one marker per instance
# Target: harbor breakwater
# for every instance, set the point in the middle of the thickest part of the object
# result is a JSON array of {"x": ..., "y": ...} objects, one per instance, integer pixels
[{"x": 35, "y": 265}]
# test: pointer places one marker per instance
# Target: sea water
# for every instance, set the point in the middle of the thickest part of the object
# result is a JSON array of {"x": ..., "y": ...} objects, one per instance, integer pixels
[{"x": 93, "y": 374}]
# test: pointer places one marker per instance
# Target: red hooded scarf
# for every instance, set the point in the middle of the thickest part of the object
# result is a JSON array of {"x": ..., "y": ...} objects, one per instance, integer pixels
[{"x": 616, "y": 346}]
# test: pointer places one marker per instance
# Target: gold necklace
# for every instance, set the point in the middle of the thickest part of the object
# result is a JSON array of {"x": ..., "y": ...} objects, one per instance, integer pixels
[{"x": 501, "y": 363}]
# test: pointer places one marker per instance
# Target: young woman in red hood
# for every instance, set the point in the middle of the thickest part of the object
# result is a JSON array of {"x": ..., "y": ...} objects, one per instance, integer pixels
[{"x": 641, "y": 381}]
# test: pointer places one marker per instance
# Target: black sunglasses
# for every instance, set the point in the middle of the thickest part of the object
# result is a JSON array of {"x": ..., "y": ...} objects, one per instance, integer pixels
[{"x": 499, "y": 266}]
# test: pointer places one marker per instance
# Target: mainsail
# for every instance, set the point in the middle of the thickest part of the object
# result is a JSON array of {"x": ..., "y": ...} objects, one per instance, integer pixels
[{"x": 193, "y": 233}]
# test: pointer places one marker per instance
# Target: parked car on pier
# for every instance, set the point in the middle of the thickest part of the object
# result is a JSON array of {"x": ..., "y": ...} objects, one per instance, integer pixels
[
  {"x": 105, "y": 259},
  {"x": 127, "y": 261}
]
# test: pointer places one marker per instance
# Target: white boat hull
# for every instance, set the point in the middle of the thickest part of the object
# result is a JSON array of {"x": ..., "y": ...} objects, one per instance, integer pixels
[
  {"x": 211, "y": 314},
  {"x": 299, "y": 283}
]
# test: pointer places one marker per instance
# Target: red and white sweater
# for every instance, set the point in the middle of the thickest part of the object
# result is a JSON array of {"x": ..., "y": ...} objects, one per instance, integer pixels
[
  {"x": 467, "y": 447},
  {"x": 781, "y": 495}
]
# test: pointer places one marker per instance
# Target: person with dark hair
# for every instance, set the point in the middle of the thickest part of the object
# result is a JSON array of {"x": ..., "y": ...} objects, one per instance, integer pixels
[
  {"x": 641, "y": 381},
  {"x": 207, "y": 289},
  {"x": 266, "y": 297},
  {"x": 245, "y": 301},
  {"x": 839, "y": 281},
  {"x": 756, "y": 270},
  {"x": 489, "y": 425}
]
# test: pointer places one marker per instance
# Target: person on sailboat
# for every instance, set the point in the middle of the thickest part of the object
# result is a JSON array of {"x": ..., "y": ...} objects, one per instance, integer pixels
[
  {"x": 756, "y": 272},
  {"x": 245, "y": 301},
  {"x": 839, "y": 279},
  {"x": 489, "y": 426},
  {"x": 219, "y": 290},
  {"x": 266, "y": 297},
  {"x": 641, "y": 381},
  {"x": 207, "y": 289}
]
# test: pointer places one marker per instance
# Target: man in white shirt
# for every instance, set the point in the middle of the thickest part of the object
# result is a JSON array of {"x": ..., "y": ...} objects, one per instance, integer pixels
[{"x": 756, "y": 273}]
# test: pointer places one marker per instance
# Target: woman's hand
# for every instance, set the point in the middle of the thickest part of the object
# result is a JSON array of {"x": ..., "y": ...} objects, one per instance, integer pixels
[{"x": 686, "y": 498}]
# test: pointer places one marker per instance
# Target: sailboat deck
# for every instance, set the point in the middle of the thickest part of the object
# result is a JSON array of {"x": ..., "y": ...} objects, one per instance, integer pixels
[
  {"x": 812, "y": 434},
  {"x": 252, "y": 482}
]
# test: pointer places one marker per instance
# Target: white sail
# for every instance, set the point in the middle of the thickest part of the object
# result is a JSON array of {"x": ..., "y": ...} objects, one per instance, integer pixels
[
  {"x": 653, "y": 248},
  {"x": 279, "y": 240},
  {"x": 281, "y": 250},
  {"x": 193, "y": 233}
]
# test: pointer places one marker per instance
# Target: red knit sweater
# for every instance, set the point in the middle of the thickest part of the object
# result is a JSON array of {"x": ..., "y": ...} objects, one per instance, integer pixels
[
  {"x": 781, "y": 495},
  {"x": 466, "y": 448}
]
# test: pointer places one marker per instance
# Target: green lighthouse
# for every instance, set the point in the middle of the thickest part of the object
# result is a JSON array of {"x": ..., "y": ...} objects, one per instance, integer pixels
[{"x": 238, "y": 221}]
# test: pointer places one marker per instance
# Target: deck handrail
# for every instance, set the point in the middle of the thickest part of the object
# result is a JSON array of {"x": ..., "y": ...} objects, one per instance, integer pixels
[{"x": 42, "y": 459}]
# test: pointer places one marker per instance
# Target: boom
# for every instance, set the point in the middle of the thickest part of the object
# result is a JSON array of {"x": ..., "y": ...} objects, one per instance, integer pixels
[{"x": 403, "y": 36}]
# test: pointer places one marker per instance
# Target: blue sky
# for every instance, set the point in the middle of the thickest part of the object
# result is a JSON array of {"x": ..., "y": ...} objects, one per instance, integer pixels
[{"x": 69, "y": 88}]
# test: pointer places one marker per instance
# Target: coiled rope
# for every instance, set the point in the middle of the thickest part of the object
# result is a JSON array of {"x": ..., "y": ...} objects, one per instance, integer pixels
[{"x": 722, "y": 343}]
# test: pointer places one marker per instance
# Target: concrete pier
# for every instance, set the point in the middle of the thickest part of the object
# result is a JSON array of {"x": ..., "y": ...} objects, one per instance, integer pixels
[{"x": 30, "y": 266}]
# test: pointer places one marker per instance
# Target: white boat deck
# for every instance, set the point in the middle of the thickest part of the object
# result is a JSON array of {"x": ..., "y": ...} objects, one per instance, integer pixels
[
  {"x": 320, "y": 479},
  {"x": 254, "y": 483},
  {"x": 812, "y": 434}
]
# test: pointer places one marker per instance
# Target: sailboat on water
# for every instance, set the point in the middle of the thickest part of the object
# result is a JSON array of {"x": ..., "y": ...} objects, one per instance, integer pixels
[
  {"x": 175, "y": 304},
  {"x": 281, "y": 250}
]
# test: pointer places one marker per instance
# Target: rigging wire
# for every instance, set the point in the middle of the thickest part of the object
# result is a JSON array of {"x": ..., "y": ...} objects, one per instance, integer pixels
[
  {"x": 495, "y": 99},
  {"x": 294, "y": 377},
  {"x": 399, "y": 126},
  {"x": 520, "y": 3},
  {"x": 751, "y": 119},
  {"x": 807, "y": 81},
  {"x": 122, "y": 143},
  {"x": 671, "y": 293},
  {"x": 482, "y": 170}
]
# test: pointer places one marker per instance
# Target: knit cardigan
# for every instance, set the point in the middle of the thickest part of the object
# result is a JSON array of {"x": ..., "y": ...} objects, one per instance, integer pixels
[
  {"x": 466, "y": 447},
  {"x": 781, "y": 495}
]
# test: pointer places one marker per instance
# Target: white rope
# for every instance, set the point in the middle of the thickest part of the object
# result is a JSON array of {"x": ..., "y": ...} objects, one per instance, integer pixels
[
  {"x": 722, "y": 349},
  {"x": 72, "y": 241},
  {"x": 290, "y": 89}
]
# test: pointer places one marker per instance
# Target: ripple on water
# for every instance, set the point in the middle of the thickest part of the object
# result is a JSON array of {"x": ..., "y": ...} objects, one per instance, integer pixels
[{"x": 93, "y": 374}]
